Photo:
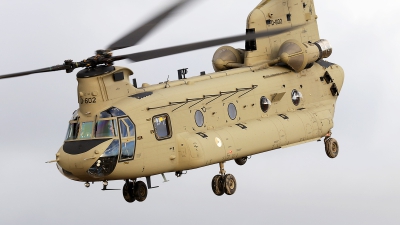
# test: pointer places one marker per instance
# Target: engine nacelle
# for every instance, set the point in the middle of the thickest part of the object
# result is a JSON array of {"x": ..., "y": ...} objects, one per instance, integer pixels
[
  {"x": 298, "y": 55},
  {"x": 226, "y": 57}
]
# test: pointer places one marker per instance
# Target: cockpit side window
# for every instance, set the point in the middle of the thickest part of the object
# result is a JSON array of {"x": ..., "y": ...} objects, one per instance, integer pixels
[
  {"x": 72, "y": 132},
  {"x": 128, "y": 139},
  {"x": 131, "y": 127},
  {"x": 124, "y": 132}
]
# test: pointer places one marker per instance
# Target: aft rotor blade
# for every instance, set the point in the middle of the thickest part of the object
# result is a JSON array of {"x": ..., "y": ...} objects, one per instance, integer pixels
[
  {"x": 44, "y": 70},
  {"x": 136, "y": 35},
  {"x": 157, "y": 53}
]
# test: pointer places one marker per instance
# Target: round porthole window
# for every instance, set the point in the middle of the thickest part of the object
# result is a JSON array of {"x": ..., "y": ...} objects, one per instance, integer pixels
[
  {"x": 232, "y": 111},
  {"x": 296, "y": 96},
  {"x": 199, "y": 118},
  {"x": 264, "y": 104}
]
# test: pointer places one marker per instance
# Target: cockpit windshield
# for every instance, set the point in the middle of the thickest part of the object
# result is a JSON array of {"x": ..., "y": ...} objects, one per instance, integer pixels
[
  {"x": 86, "y": 130},
  {"x": 106, "y": 128}
]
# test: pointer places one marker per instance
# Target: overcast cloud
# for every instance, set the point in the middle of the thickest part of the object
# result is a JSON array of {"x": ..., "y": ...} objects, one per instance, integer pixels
[{"x": 297, "y": 185}]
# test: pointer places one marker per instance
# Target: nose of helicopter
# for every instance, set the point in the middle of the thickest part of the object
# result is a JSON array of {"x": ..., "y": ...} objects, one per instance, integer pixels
[{"x": 76, "y": 159}]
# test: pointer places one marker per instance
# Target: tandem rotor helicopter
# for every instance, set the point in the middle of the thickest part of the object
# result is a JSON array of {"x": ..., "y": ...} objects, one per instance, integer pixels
[{"x": 276, "y": 92}]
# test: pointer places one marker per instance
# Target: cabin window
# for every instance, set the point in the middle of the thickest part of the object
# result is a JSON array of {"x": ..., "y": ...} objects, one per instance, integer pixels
[
  {"x": 296, "y": 97},
  {"x": 265, "y": 104},
  {"x": 199, "y": 118},
  {"x": 232, "y": 111},
  {"x": 162, "y": 127}
]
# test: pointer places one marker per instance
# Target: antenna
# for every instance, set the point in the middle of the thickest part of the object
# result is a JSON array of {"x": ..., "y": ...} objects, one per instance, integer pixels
[{"x": 182, "y": 73}]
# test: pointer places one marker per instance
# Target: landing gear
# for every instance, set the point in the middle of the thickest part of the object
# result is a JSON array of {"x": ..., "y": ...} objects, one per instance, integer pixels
[
  {"x": 136, "y": 190},
  {"x": 140, "y": 191},
  {"x": 241, "y": 161},
  {"x": 331, "y": 147},
  {"x": 127, "y": 191},
  {"x": 217, "y": 185},
  {"x": 229, "y": 184},
  {"x": 223, "y": 183}
]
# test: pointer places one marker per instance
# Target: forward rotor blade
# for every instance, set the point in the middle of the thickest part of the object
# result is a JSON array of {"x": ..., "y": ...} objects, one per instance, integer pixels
[
  {"x": 44, "y": 70},
  {"x": 157, "y": 53},
  {"x": 136, "y": 35}
]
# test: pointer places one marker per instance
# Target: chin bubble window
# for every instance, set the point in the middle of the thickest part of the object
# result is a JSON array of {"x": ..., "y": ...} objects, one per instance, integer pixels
[
  {"x": 232, "y": 111},
  {"x": 199, "y": 118},
  {"x": 265, "y": 104},
  {"x": 296, "y": 97},
  {"x": 162, "y": 127}
]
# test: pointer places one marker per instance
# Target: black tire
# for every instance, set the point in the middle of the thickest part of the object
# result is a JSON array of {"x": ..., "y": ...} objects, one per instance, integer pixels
[
  {"x": 127, "y": 192},
  {"x": 229, "y": 184},
  {"x": 217, "y": 185},
  {"x": 241, "y": 161},
  {"x": 331, "y": 148},
  {"x": 140, "y": 191}
]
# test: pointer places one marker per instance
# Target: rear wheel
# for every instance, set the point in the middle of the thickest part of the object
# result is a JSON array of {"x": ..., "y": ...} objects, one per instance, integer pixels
[
  {"x": 140, "y": 191},
  {"x": 241, "y": 161},
  {"x": 217, "y": 185}
]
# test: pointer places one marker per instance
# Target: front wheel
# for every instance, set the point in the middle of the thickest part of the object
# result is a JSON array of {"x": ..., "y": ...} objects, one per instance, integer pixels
[
  {"x": 331, "y": 147},
  {"x": 229, "y": 184},
  {"x": 127, "y": 192}
]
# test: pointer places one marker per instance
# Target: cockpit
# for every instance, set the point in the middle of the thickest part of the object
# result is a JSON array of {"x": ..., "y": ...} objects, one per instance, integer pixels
[
  {"x": 111, "y": 124},
  {"x": 105, "y": 125}
]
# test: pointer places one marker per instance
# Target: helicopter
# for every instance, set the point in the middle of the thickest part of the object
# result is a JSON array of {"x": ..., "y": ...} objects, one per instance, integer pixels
[{"x": 276, "y": 92}]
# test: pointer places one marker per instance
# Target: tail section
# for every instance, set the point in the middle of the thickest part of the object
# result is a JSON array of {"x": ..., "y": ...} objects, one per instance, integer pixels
[{"x": 277, "y": 14}]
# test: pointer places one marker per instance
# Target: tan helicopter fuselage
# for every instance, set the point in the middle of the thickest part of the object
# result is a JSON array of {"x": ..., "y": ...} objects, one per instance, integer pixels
[{"x": 220, "y": 138}]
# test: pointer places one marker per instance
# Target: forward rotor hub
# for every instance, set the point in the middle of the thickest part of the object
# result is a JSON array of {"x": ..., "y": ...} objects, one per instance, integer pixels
[{"x": 102, "y": 57}]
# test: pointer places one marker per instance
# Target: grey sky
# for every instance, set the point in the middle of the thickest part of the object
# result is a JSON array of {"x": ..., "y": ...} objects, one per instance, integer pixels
[{"x": 298, "y": 185}]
